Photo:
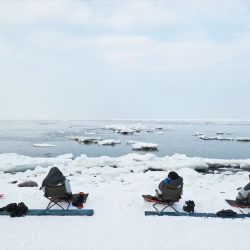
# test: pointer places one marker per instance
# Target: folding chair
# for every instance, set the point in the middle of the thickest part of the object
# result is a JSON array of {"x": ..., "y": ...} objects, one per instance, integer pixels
[{"x": 57, "y": 194}]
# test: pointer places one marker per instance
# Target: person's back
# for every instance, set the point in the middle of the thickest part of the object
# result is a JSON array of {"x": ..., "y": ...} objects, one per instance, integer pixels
[
  {"x": 171, "y": 188},
  {"x": 56, "y": 184}
]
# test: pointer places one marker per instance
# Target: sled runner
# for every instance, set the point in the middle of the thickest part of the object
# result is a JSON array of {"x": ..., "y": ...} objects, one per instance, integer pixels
[
  {"x": 56, "y": 212},
  {"x": 156, "y": 201},
  {"x": 202, "y": 215},
  {"x": 234, "y": 203}
]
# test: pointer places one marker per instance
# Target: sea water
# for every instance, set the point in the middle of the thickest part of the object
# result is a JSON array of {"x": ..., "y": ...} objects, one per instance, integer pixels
[{"x": 173, "y": 137}]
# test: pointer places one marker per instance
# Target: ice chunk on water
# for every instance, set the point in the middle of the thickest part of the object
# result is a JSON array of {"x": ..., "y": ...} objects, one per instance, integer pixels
[
  {"x": 86, "y": 140},
  {"x": 109, "y": 142},
  {"x": 244, "y": 139},
  {"x": 43, "y": 145},
  {"x": 144, "y": 146}
]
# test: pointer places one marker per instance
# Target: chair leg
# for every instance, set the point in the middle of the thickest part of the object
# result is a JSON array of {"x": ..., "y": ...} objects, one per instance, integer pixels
[
  {"x": 165, "y": 208},
  {"x": 48, "y": 207},
  {"x": 154, "y": 206},
  {"x": 68, "y": 205},
  {"x": 174, "y": 209},
  {"x": 53, "y": 203},
  {"x": 168, "y": 205}
]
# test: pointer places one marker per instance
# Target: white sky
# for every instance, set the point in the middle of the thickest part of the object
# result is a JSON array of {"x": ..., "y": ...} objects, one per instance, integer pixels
[{"x": 142, "y": 59}]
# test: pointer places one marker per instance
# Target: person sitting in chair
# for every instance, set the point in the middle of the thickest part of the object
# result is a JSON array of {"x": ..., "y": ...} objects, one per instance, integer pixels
[
  {"x": 56, "y": 184},
  {"x": 243, "y": 196},
  {"x": 170, "y": 189}
]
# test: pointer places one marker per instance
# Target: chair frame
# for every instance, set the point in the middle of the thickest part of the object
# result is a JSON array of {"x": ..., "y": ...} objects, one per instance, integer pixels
[
  {"x": 55, "y": 201},
  {"x": 166, "y": 205}
]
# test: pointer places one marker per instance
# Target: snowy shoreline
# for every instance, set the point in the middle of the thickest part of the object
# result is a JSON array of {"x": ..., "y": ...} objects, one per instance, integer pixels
[
  {"x": 129, "y": 163},
  {"x": 115, "y": 185}
]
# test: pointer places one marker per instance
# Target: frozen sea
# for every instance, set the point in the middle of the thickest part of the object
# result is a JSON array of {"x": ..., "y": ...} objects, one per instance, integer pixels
[{"x": 173, "y": 137}]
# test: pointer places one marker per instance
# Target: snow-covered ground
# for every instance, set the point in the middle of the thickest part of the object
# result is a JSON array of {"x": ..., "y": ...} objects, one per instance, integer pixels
[{"x": 115, "y": 186}]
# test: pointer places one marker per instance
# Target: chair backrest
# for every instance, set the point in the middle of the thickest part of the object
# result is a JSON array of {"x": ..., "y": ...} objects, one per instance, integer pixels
[
  {"x": 172, "y": 193},
  {"x": 56, "y": 191}
]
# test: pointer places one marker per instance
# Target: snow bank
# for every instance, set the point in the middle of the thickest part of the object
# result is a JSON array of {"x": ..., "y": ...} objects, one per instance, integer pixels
[
  {"x": 15, "y": 162},
  {"x": 127, "y": 163},
  {"x": 43, "y": 145}
]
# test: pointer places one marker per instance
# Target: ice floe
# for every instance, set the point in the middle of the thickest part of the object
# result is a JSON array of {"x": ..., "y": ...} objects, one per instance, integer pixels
[
  {"x": 86, "y": 140},
  {"x": 243, "y": 139},
  {"x": 198, "y": 134},
  {"x": 218, "y": 138},
  {"x": 109, "y": 142},
  {"x": 221, "y": 138},
  {"x": 94, "y": 140},
  {"x": 89, "y": 133},
  {"x": 144, "y": 146},
  {"x": 130, "y": 129},
  {"x": 43, "y": 145}
]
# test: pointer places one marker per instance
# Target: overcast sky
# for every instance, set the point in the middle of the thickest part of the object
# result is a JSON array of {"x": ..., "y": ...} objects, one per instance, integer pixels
[{"x": 140, "y": 59}]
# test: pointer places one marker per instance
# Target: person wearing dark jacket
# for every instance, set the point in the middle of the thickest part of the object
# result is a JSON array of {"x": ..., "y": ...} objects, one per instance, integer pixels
[
  {"x": 55, "y": 178},
  {"x": 244, "y": 194},
  {"x": 171, "y": 188}
]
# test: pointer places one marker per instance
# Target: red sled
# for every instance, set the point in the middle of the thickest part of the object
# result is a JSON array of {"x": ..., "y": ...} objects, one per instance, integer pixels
[{"x": 234, "y": 203}]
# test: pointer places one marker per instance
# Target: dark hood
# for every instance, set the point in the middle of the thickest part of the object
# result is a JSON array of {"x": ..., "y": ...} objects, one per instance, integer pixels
[
  {"x": 176, "y": 182},
  {"x": 53, "y": 178}
]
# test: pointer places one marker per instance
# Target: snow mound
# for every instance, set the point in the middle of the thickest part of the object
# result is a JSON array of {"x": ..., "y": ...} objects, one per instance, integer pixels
[{"x": 43, "y": 145}]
